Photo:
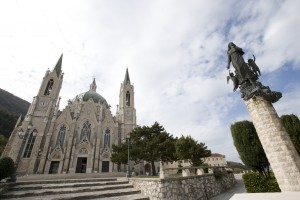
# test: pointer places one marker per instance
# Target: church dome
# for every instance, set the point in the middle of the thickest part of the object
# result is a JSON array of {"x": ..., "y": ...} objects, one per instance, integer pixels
[
  {"x": 95, "y": 96},
  {"x": 91, "y": 94}
]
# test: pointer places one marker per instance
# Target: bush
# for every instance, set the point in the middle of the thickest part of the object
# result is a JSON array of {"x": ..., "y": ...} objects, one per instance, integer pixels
[
  {"x": 219, "y": 174},
  {"x": 255, "y": 183},
  {"x": 7, "y": 167}
]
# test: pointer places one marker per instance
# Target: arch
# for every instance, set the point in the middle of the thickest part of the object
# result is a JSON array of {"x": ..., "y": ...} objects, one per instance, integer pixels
[
  {"x": 83, "y": 151},
  {"x": 49, "y": 87},
  {"x": 148, "y": 168},
  {"x": 127, "y": 99}
]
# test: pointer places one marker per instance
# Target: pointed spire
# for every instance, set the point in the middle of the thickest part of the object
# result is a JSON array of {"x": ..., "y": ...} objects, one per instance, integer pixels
[
  {"x": 93, "y": 86},
  {"x": 57, "y": 67},
  {"x": 126, "y": 79}
]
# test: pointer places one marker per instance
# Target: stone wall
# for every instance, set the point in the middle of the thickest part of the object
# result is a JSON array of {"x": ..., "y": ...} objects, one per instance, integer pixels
[{"x": 191, "y": 187}]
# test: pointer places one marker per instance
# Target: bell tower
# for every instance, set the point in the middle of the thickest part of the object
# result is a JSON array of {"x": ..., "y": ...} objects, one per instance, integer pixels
[
  {"x": 44, "y": 103},
  {"x": 126, "y": 112},
  {"x": 27, "y": 141}
]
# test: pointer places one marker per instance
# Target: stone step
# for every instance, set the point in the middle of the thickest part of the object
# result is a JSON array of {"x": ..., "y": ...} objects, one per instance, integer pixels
[
  {"x": 64, "y": 185},
  {"x": 70, "y": 176},
  {"x": 117, "y": 194},
  {"x": 63, "y": 181},
  {"x": 66, "y": 191}
]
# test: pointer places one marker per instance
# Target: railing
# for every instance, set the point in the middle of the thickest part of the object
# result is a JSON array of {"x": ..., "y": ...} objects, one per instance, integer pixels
[{"x": 191, "y": 171}]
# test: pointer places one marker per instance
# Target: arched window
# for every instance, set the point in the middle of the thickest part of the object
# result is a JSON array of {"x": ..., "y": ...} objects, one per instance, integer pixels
[
  {"x": 29, "y": 145},
  {"x": 61, "y": 136},
  {"x": 49, "y": 87},
  {"x": 107, "y": 138},
  {"x": 127, "y": 98},
  {"x": 86, "y": 130}
]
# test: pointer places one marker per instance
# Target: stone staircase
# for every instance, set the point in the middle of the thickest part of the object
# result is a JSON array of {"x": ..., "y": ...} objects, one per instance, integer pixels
[{"x": 90, "y": 188}]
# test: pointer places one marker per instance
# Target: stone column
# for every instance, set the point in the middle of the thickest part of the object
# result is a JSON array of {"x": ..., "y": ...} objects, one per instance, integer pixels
[{"x": 280, "y": 151}]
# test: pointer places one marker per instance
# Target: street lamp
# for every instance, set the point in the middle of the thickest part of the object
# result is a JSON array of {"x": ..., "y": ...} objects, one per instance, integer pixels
[{"x": 128, "y": 174}]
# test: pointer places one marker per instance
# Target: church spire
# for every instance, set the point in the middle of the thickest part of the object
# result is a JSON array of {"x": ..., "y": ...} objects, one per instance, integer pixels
[
  {"x": 126, "y": 79},
  {"x": 93, "y": 86},
  {"x": 57, "y": 67}
]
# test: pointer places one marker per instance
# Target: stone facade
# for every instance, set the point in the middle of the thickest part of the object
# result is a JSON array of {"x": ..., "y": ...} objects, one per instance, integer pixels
[
  {"x": 77, "y": 139},
  {"x": 280, "y": 151},
  {"x": 193, "y": 187}
]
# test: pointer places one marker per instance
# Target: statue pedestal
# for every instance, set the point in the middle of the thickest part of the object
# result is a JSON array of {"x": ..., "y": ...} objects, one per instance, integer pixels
[{"x": 282, "y": 155}]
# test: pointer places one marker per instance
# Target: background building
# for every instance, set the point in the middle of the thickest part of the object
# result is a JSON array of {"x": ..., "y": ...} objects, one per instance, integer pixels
[{"x": 215, "y": 160}]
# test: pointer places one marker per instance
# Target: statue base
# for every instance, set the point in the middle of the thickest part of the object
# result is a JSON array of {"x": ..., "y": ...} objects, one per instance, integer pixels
[{"x": 249, "y": 91}]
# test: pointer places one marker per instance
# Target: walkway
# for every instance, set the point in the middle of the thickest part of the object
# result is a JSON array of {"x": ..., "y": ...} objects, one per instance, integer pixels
[{"x": 238, "y": 188}]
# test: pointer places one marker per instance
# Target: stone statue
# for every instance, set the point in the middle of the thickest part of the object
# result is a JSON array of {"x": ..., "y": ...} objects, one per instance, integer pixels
[
  {"x": 242, "y": 70},
  {"x": 254, "y": 67},
  {"x": 246, "y": 76},
  {"x": 234, "y": 80}
]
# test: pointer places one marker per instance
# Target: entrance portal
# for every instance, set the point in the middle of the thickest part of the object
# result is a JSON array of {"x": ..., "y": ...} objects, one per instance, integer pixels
[
  {"x": 105, "y": 166},
  {"x": 54, "y": 167},
  {"x": 81, "y": 165}
]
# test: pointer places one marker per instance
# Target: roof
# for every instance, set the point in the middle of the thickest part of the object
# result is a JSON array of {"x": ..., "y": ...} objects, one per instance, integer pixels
[
  {"x": 216, "y": 155},
  {"x": 95, "y": 96}
]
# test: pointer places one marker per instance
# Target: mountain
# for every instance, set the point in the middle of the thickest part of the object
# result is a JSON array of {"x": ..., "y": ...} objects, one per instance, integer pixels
[
  {"x": 236, "y": 165},
  {"x": 12, "y": 103},
  {"x": 11, "y": 107}
]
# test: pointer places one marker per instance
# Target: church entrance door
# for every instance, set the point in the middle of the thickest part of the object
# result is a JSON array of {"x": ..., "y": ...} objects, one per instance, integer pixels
[
  {"x": 81, "y": 165},
  {"x": 54, "y": 167},
  {"x": 105, "y": 166}
]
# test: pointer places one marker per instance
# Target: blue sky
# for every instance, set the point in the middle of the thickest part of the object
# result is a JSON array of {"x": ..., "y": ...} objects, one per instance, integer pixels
[{"x": 175, "y": 52}]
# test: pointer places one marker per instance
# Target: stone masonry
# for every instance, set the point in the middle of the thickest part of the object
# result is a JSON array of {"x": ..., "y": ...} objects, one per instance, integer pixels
[
  {"x": 200, "y": 187},
  {"x": 282, "y": 155}
]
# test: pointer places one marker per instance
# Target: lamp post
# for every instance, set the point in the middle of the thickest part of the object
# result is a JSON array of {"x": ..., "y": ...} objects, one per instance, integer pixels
[{"x": 128, "y": 174}]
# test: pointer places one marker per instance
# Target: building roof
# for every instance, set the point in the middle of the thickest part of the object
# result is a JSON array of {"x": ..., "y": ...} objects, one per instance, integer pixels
[{"x": 216, "y": 155}]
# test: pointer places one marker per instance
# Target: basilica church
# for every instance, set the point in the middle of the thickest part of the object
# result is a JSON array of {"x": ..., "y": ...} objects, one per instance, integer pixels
[{"x": 77, "y": 139}]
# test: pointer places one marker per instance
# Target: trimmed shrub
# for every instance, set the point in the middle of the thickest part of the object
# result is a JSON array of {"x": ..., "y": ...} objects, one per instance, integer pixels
[
  {"x": 7, "y": 167},
  {"x": 255, "y": 183},
  {"x": 219, "y": 174}
]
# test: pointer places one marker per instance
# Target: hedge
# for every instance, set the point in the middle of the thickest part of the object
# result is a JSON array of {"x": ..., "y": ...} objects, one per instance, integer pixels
[
  {"x": 7, "y": 167},
  {"x": 255, "y": 183}
]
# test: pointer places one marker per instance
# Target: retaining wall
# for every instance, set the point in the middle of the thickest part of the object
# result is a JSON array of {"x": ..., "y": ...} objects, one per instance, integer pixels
[{"x": 192, "y": 187}]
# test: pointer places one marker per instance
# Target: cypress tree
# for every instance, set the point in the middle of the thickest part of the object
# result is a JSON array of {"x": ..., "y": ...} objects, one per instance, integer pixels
[{"x": 249, "y": 147}]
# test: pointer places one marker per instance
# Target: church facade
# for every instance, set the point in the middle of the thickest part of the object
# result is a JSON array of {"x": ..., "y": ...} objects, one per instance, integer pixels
[{"x": 77, "y": 139}]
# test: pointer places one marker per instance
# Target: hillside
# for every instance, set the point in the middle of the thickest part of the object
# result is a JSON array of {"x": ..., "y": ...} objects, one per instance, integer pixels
[
  {"x": 11, "y": 107},
  {"x": 12, "y": 103}
]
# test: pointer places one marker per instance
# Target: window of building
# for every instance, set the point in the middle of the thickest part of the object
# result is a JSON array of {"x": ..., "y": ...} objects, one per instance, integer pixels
[
  {"x": 29, "y": 145},
  {"x": 127, "y": 98},
  {"x": 107, "y": 138},
  {"x": 86, "y": 130},
  {"x": 61, "y": 136},
  {"x": 49, "y": 87}
]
